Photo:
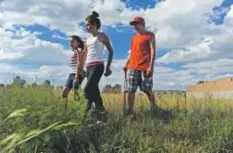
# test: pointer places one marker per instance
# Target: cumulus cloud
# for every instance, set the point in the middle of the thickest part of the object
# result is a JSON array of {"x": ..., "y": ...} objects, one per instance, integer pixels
[
  {"x": 183, "y": 27},
  {"x": 181, "y": 17},
  {"x": 190, "y": 53},
  {"x": 229, "y": 17},
  {"x": 63, "y": 15},
  {"x": 59, "y": 37},
  {"x": 53, "y": 73},
  {"x": 184, "y": 23},
  {"x": 23, "y": 47},
  {"x": 211, "y": 67},
  {"x": 217, "y": 38}
]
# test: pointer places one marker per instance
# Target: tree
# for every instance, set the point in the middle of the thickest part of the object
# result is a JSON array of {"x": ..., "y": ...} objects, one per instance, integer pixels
[
  {"x": 116, "y": 88},
  {"x": 200, "y": 82},
  {"x": 112, "y": 89},
  {"x": 107, "y": 88},
  {"x": 47, "y": 83},
  {"x": 17, "y": 81},
  {"x": 34, "y": 85}
]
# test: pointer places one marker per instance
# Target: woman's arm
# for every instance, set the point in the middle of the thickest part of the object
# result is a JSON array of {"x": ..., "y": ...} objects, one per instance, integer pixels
[
  {"x": 104, "y": 38},
  {"x": 81, "y": 59}
]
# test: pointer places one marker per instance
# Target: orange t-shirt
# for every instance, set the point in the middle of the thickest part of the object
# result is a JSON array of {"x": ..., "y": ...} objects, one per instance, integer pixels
[{"x": 140, "y": 54}]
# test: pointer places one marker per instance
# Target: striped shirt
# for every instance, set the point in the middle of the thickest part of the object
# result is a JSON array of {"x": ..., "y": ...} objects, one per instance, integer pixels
[{"x": 74, "y": 60}]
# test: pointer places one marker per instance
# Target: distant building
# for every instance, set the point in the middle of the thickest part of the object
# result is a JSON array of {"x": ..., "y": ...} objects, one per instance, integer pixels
[{"x": 218, "y": 89}]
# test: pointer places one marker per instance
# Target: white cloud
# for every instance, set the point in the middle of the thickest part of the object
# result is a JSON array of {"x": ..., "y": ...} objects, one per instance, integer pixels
[
  {"x": 211, "y": 67},
  {"x": 164, "y": 77},
  {"x": 10, "y": 56},
  {"x": 26, "y": 48},
  {"x": 59, "y": 37},
  {"x": 6, "y": 68},
  {"x": 182, "y": 26},
  {"x": 63, "y": 15},
  {"x": 193, "y": 72},
  {"x": 53, "y": 73},
  {"x": 190, "y": 53},
  {"x": 197, "y": 28},
  {"x": 229, "y": 18},
  {"x": 184, "y": 23}
]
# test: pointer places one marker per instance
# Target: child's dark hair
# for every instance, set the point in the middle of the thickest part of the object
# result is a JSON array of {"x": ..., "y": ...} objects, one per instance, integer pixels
[
  {"x": 78, "y": 39},
  {"x": 94, "y": 19}
]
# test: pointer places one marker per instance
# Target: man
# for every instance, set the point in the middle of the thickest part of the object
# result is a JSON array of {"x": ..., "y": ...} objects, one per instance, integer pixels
[
  {"x": 140, "y": 64},
  {"x": 76, "y": 76}
]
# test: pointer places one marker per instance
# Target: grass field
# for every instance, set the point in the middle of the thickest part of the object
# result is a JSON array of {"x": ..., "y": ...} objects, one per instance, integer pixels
[{"x": 33, "y": 120}]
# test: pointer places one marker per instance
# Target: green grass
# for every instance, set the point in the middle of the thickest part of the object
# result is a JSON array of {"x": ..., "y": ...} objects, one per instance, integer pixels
[{"x": 33, "y": 120}]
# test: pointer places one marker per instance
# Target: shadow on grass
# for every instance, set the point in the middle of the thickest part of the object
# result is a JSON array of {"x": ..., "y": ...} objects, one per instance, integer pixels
[{"x": 159, "y": 114}]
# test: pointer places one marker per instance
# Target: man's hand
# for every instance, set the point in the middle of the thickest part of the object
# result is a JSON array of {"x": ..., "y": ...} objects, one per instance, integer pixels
[
  {"x": 125, "y": 70},
  {"x": 149, "y": 72},
  {"x": 108, "y": 72}
]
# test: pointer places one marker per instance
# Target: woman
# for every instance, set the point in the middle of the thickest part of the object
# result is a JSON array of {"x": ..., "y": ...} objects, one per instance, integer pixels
[
  {"x": 76, "y": 75},
  {"x": 94, "y": 55}
]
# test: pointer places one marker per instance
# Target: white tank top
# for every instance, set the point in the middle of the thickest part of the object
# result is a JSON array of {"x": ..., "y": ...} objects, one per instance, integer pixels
[{"x": 95, "y": 51}]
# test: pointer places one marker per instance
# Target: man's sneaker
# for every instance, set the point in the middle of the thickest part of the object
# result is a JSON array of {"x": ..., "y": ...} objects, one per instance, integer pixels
[
  {"x": 100, "y": 115},
  {"x": 131, "y": 114},
  {"x": 153, "y": 112},
  {"x": 103, "y": 116}
]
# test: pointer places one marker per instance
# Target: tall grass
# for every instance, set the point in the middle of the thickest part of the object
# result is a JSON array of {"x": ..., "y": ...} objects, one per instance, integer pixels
[{"x": 33, "y": 120}]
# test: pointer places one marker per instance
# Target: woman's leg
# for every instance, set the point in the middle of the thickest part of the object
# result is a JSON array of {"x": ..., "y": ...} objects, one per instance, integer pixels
[
  {"x": 65, "y": 94},
  {"x": 98, "y": 99},
  {"x": 88, "y": 89},
  {"x": 94, "y": 77},
  {"x": 67, "y": 89}
]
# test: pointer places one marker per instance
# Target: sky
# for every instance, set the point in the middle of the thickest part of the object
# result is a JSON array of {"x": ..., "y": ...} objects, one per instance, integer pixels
[{"x": 193, "y": 38}]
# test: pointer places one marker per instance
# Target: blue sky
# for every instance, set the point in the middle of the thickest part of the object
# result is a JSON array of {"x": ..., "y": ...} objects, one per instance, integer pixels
[
  {"x": 137, "y": 4},
  {"x": 189, "y": 34}
]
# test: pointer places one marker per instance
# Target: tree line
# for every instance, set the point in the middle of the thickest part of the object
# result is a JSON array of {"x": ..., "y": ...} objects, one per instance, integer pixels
[
  {"x": 112, "y": 89},
  {"x": 19, "y": 82}
]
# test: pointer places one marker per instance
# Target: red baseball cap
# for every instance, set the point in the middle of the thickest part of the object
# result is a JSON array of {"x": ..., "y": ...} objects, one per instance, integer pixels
[{"x": 137, "y": 20}]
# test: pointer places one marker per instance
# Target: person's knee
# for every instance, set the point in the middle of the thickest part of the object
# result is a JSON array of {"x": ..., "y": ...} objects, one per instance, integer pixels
[
  {"x": 148, "y": 92},
  {"x": 131, "y": 93},
  {"x": 64, "y": 94},
  {"x": 87, "y": 91},
  {"x": 150, "y": 96}
]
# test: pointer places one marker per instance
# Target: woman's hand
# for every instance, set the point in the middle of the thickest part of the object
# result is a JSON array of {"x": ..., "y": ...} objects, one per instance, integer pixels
[{"x": 108, "y": 72}]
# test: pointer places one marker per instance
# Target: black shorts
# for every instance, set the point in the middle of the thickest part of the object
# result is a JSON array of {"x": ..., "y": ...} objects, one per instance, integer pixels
[{"x": 70, "y": 81}]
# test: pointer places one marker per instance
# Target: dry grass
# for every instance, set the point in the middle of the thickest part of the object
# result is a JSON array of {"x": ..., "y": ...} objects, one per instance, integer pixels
[{"x": 180, "y": 126}]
